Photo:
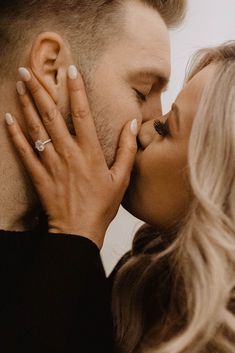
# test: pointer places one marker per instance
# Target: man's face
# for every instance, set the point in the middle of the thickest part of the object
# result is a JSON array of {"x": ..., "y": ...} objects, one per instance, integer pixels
[{"x": 130, "y": 76}]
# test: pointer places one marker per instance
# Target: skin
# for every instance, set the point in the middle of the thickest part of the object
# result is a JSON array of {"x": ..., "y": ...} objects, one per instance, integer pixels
[
  {"x": 159, "y": 192},
  {"x": 140, "y": 61},
  {"x": 64, "y": 174},
  {"x": 65, "y": 170},
  {"x": 112, "y": 96}
]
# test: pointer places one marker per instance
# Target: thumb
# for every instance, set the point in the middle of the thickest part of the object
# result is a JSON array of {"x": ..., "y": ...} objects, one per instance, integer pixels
[{"x": 126, "y": 152}]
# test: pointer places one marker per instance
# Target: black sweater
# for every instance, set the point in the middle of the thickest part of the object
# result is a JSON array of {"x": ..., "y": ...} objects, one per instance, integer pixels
[{"x": 54, "y": 296}]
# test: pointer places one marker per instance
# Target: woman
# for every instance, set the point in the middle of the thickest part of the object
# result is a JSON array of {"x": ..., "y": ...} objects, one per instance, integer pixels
[{"x": 173, "y": 292}]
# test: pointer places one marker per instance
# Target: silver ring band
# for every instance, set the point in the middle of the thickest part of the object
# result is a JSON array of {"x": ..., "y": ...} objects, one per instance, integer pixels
[{"x": 40, "y": 145}]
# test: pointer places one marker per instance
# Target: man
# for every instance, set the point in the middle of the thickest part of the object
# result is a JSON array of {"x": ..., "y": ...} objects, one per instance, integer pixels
[{"x": 122, "y": 50}]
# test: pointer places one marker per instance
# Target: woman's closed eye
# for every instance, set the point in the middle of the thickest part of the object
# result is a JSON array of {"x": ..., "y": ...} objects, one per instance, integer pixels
[{"x": 161, "y": 128}]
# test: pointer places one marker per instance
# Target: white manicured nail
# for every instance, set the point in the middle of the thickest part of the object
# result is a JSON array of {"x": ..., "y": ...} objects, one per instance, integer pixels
[
  {"x": 72, "y": 72},
  {"x": 24, "y": 74},
  {"x": 20, "y": 87},
  {"x": 134, "y": 127},
  {"x": 9, "y": 119}
]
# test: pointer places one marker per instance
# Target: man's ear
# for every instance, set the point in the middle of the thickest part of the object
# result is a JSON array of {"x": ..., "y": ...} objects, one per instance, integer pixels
[{"x": 50, "y": 57}]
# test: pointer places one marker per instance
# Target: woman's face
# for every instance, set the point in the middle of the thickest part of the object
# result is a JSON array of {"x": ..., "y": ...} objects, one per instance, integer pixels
[{"x": 159, "y": 192}]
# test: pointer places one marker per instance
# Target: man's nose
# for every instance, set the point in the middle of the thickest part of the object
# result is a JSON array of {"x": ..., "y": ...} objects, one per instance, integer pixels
[
  {"x": 146, "y": 133},
  {"x": 152, "y": 108}
]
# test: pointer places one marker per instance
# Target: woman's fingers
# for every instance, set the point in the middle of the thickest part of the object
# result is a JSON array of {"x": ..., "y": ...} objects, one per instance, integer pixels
[
  {"x": 50, "y": 115},
  {"x": 82, "y": 119},
  {"x": 28, "y": 157},
  {"x": 34, "y": 124},
  {"x": 126, "y": 153}
]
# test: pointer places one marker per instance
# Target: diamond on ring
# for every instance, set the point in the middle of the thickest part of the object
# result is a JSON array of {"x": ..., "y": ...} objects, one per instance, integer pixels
[{"x": 40, "y": 145}]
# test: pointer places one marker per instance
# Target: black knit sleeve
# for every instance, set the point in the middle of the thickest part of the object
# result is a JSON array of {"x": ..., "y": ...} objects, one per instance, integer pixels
[{"x": 59, "y": 300}]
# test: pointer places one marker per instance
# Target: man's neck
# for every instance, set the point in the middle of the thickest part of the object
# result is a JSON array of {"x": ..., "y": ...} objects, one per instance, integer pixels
[{"x": 17, "y": 196}]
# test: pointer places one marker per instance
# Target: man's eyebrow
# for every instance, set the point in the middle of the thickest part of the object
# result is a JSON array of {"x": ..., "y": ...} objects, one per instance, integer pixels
[{"x": 149, "y": 74}]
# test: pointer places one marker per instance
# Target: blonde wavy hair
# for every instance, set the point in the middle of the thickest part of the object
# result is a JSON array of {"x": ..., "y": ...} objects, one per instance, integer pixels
[{"x": 174, "y": 293}]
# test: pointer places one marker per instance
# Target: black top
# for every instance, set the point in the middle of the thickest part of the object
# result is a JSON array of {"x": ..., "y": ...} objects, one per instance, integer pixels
[{"x": 54, "y": 296}]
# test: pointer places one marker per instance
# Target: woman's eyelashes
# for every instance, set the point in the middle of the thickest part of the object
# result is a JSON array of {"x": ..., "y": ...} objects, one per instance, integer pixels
[{"x": 161, "y": 128}]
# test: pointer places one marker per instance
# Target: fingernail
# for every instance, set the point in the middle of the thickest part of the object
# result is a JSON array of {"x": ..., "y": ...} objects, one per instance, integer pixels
[
  {"x": 72, "y": 72},
  {"x": 20, "y": 87},
  {"x": 134, "y": 127},
  {"x": 24, "y": 74},
  {"x": 9, "y": 119}
]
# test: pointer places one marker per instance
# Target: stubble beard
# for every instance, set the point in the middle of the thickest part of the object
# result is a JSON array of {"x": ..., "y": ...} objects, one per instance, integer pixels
[{"x": 105, "y": 133}]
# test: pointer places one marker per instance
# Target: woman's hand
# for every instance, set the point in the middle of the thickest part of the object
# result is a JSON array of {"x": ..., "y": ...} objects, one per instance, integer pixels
[{"x": 79, "y": 193}]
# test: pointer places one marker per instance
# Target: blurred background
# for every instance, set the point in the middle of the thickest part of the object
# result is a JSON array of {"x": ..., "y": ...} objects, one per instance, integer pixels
[{"x": 208, "y": 23}]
